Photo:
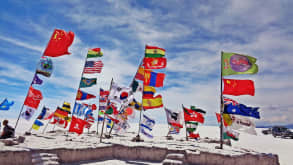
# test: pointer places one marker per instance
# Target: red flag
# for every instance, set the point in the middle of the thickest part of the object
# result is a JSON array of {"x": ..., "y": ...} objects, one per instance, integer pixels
[
  {"x": 154, "y": 63},
  {"x": 83, "y": 95},
  {"x": 33, "y": 98},
  {"x": 59, "y": 43},
  {"x": 153, "y": 79},
  {"x": 77, "y": 125},
  {"x": 192, "y": 135},
  {"x": 191, "y": 115},
  {"x": 238, "y": 87}
]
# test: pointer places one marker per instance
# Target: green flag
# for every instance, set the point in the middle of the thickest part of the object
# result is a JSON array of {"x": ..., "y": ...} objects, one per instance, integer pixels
[
  {"x": 233, "y": 63},
  {"x": 95, "y": 52},
  {"x": 87, "y": 82}
]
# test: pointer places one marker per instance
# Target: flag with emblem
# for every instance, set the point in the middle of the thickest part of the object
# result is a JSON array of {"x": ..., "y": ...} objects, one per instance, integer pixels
[
  {"x": 83, "y": 95},
  {"x": 238, "y": 87},
  {"x": 233, "y": 63},
  {"x": 37, "y": 80},
  {"x": 154, "y": 63},
  {"x": 87, "y": 82},
  {"x": 44, "y": 67},
  {"x": 146, "y": 126},
  {"x": 77, "y": 125},
  {"x": 154, "y": 51},
  {"x": 241, "y": 109},
  {"x": 33, "y": 98},
  {"x": 95, "y": 52},
  {"x": 174, "y": 118},
  {"x": 154, "y": 79},
  {"x": 120, "y": 94},
  {"x": 192, "y": 115},
  {"x": 140, "y": 73},
  {"x": 59, "y": 43},
  {"x": 103, "y": 99},
  {"x": 152, "y": 102}
]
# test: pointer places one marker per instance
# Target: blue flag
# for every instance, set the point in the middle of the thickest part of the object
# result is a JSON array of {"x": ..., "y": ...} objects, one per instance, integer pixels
[
  {"x": 147, "y": 123},
  {"x": 5, "y": 105},
  {"x": 241, "y": 109}
]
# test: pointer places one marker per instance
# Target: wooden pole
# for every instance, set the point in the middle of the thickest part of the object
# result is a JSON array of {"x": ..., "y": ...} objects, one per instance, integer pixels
[
  {"x": 104, "y": 114},
  {"x": 185, "y": 125},
  {"x": 221, "y": 107}
]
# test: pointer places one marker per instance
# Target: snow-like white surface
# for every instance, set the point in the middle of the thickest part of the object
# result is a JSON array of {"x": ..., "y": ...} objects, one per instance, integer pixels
[{"x": 247, "y": 143}]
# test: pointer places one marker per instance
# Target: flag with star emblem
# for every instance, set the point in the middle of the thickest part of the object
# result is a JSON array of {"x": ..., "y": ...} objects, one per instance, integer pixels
[
  {"x": 154, "y": 51},
  {"x": 155, "y": 63},
  {"x": 192, "y": 115},
  {"x": 238, "y": 87},
  {"x": 241, "y": 109}
]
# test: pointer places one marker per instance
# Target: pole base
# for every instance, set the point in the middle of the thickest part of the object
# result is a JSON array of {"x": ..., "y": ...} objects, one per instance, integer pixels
[
  {"x": 137, "y": 139},
  {"x": 218, "y": 147},
  {"x": 169, "y": 138},
  {"x": 108, "y": 136},
  {"x": 27, "y": 133}
]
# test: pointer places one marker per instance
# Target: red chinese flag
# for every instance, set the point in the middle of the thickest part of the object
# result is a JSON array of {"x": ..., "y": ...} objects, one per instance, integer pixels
[
  {"x": 191, "y": 115},
  {"x": 33, "y": 98},
  {"x": 154, "y": 63},
  {"x": 77, "y": 125},
  {"x": 238, "y": 87},
  {"x": 59, "y": 43}
]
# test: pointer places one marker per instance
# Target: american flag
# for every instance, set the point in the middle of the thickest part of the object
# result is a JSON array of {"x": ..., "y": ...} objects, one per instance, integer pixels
[{"x": 93, "y": 67}]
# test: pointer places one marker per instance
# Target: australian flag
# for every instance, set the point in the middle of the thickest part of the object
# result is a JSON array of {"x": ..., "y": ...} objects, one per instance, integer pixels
[{"x": 241, "y": 109}]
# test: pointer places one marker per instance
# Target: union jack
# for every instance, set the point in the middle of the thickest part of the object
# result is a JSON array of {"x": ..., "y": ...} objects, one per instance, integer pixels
[{"x": 228, "y": 101}]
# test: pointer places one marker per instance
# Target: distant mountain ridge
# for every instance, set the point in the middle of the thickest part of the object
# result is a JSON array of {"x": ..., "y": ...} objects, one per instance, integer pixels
[{"x": 269, "y": 126}]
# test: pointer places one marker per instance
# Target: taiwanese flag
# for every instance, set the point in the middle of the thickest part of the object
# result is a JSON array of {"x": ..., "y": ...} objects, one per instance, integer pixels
[
  {"x": 84, "y": 96},
  {"x": 191, "y": 115},
  {"x": 59, "y": 43},
  {"x": 238, "y": 87},
  {"x": 77, "y": 125},
  {"x": 154, "y": 79},
  {"x": 33, "y": 98},
  {"x": 155, "y": 63}
]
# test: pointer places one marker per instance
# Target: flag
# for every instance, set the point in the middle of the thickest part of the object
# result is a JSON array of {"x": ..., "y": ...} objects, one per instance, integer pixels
[
  {"x": 120, "y": 94},
  {"x": 121, "y": 127},
  {"x": 135, "y": 104},
  {"x": 148, "y": 91},
  {"x": 154, "y": 79},
  {"x": 79, "y": 109},
  {"x": 233, "y": 63},
  {"x": 93, "y": 67},
  {"x": 37, "y": 124},
  {"x": 173, "y": 118},
  {"x": 228, "y": 133},
  {"x": 174, "y": 130},
  {"x": 241, "y": 109},
  {"x": 112, "y": 109},
  {"x": 37, "y": 80},
  {"x": 89, "y": 118},
  {"x": 136, "y": 86},
  {"x": 5, "y": 105},
  {"x": 109, "y": 123},
  {"x": 103, "y": 99},
  {"x": 59, "y": 112},
  {"x": 226, "y": 119},
  {"x": 83, "y": 95},
  {"x": 91, "y": 106},
  {"x": 140, "y": 73},
  {"x": 244, "y": 124},
  {"x": 154, "y": 63},
  {"x": 44, "y": 114},
  {"x": 95, "y": 52},
  {"x": 59, "y": 43},
  {"x": 45, "y": 66},
  {"x": 191, "y": 127},
  {"x": 77, "y": 125},
  {"x": 87, "y": 82},
  {"x": 152, "y": 102},
  {"x": 192, "y": 115},
  {"x": 62, "y": 123},
  {"x": 147, "y": 124},
  {"x": 238, "y": 87},
  {"x": 153, "y": 51},
  {"x": 33, "y": 98},
  {"x": 28, "y": 113},
  {"x": 197, "y": 109},
  {"x": 227, "y": 101}
]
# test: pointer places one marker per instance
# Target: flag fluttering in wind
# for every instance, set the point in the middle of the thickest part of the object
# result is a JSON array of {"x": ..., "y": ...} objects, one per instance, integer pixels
[
  {"x": 103, "y": 99},
  {"x": 241, "y": 109},
  {"x": 174, "y": 118},
  {"x": 93, "y": 67},
  {"x": 154, "y": 51},
  {"x": 154, "y": 79},
  {"x": 87, "y": 82},
  {"x": 45, "y": 66},
  {"x": 152, "y": 102},
  {"x": 37, "y": 124},
  {"x": 147, "y": 125},
  {"x": 120, "y": 94},
  {"x": 83, "y": 95},
  {"x": 136, "y": 86},
  {"x": 233, "y": 63},
  {"x": 93, "y": 53},
  {"x": 37, "y": 80},
  {"x": 140, "y": 73},
  {"x": 77, "y": 125},
  {"x": 192, "y": 115},
  {"x": 28, "y": 113},
  {"x": 154, "y": 63},
  {"x": 148, "y": 91},
  {"x": 238, "y": 87},
  {"x": 136, "y": 105},
  {"x": 59, "y": 43},
  {"x": 33, "y": 98},
  {"x": 44, "y": 114},
  {"x": 5, "y": 105},
  {"x": 79, "y": 109}
]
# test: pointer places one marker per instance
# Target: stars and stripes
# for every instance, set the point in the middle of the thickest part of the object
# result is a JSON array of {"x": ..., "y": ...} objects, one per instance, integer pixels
[{"x": 93, "y": 67}]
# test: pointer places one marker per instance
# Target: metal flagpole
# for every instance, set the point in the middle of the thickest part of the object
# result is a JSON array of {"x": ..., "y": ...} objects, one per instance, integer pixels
[
  {"x": 185, "y": 124},
  {"x": 105, "y": 112}
]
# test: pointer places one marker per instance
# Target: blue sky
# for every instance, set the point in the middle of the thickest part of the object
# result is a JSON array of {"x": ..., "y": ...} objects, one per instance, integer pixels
[{"x": 192, "y": 32}]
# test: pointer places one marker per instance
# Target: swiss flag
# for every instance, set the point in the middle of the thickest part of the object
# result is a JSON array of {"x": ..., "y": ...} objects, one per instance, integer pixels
[
  {"x": 77, "y": 125},
  {"x": 33, "y": 98}
]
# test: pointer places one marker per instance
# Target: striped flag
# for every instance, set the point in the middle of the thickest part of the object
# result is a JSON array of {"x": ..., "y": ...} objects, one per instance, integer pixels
[{"x": 93, "y": 67}]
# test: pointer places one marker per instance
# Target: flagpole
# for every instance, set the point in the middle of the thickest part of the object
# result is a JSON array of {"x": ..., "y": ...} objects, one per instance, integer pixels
[
  {"x": 46, "y": 125},
  {"x": 185, "y": 125},
  {"x": 104, "y": 113},
  {"x": 221, "y": 107}
]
